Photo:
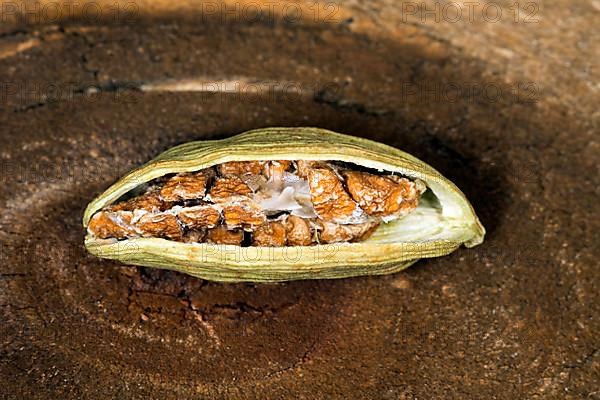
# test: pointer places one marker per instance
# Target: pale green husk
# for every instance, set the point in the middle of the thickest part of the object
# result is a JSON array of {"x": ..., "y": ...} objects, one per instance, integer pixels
[{"x": 436, "y": 228}]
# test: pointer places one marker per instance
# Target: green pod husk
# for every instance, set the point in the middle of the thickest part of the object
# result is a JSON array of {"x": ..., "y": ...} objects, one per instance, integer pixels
[{"x": 443, "y": 222}]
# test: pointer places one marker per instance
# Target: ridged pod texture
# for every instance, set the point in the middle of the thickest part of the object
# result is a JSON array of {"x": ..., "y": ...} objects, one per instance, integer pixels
[{"x": 388, "y": 251}]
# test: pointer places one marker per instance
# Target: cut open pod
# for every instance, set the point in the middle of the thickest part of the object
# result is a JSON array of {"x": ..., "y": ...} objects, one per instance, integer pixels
[{"x": 190, "y": 228}]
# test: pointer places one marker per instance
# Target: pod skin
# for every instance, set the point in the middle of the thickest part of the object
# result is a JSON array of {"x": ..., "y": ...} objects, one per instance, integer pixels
[{"x": 438, "y": 226}]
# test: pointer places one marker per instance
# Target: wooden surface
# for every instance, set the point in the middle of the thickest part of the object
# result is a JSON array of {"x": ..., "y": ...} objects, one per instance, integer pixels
[{"x": 507, "y": 109}]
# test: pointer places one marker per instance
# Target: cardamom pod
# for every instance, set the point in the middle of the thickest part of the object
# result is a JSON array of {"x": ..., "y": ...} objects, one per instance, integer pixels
[{"x": 281, "y": 204}]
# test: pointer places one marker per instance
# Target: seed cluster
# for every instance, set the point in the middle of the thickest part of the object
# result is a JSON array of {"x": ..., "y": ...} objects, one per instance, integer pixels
[{"x": 262, "y": 203}]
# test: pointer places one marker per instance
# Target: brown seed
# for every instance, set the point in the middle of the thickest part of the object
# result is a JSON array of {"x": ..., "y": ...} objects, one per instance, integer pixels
[
  {"x": 185, "y": 186},
  {"x": 226, "y": 188},
  {"x": 106, "y": 224},
  {"x": 221, "y": 235},
  {"x": 194, "y": 236},
  {"x": 330, "y": 232},
  {"x": 159, "y": 225},
  {"x": 247, "y": 214},
  {"x": 271, "y": 234},
  {"x": 382, "y": 195},
  {"x": 330, "y": 200},
  {"x": 298, "y": 231},
  {"x": 241, "y": 168},
  {"x": 199, "y": 216},
  {"x": 276, "y": 169},
  {"x": 303, "y": 166},
  {"x": 149, "y": 201}
]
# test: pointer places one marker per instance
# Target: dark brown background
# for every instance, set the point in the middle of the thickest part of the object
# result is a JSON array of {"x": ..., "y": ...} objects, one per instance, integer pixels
[{"x": 516, "y": 317}]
